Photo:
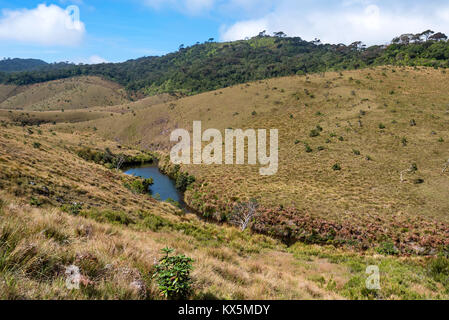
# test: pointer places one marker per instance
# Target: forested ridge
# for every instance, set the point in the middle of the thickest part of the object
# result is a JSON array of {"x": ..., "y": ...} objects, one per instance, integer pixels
[
  {"x": 214, "y": 65},
  {"x": 17, "y": 65}
]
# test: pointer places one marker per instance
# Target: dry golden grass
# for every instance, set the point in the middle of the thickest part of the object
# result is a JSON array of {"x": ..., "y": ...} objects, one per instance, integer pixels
[
  {"x": 39, "y": 171},
  {"x": 72, "y": 93},
  {"x": 384, "y": 99}
]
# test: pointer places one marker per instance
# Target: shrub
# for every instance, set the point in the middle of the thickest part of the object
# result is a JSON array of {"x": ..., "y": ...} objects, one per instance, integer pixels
[
  {"x": 439, "y": 269},
  {"x": 404, "y": 141},
  {"x": 356, "y": 152},
  {"x": 314, "y": 133},
  {"x": 73, "y": 208},
  {"x": 308, "y": 148},
  {"x": 418, "y": 181},
  {"x": 381, "y": 126},
  {"x": 155, "y": 223},
  {"x": 114, "y": 217},
  {"x": 183, "y": 180},
  {"x": 36, "y": 202},
  {"x": 36, "y": 145},
  {"x": 387, "y": 248},
  {"x": 173, "y": 275},
  {"x": 336, "y": 167},
  {"x": 173, "y": 202},
  {"x": 139, "y": 186}
]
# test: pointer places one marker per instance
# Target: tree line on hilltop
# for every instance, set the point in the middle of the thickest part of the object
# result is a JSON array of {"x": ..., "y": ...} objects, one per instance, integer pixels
[{"x": 214, "y": 65}]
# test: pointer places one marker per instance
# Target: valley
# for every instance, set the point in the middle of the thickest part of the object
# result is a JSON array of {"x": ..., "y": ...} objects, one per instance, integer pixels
[{"x": 360, "y": 182}]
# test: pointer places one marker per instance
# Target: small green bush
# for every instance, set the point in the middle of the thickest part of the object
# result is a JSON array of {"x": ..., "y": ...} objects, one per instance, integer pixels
[
  {"x": 336, "y": 167},
  {"x": 139, "y": 186},
  {"x": 308, "y": 148},
  {"x": 314, "y": 133},
  {"x": 404, "y": 141},
  {"x": 173, "y": 275},
  {"x": 35, "y": 202},
  {"x": 155, "y": 223},
  {"x": 114, "y": 217},
  {"x": 439, "y": 269},
  {"x": 73, "y": 208},
  {"x": 183, "y": 180},
  {"x": 387, "y": 248}
]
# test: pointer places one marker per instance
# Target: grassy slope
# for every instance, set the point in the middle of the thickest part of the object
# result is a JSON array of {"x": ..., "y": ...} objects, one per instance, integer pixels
[
  {"x": 366, "y": 197},
  {"x": 116, "y": 238},
  {"x": 73, "y": 93}
]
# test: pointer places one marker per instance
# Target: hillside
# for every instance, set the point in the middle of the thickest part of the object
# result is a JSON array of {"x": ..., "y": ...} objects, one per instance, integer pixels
[
  {"x": 341, "y": 184},
  {"x": 213, "y": 65},
  {"x": 57, "y": 210},
  {"x": 67, "y": 94}
]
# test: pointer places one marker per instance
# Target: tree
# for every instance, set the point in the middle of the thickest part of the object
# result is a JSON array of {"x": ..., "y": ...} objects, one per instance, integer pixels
[
  {"x": 280, "y": 34},
  {"x": 406, "y": 38},
  {"x": 417, "y": 38},
  {"x": 438, "y": 37},
  {"x": 426, "y": 34},
  {"x": 119, "y": 161},
  {"x": 243, "y": 214},
  {"x": 358, "y": 46}
]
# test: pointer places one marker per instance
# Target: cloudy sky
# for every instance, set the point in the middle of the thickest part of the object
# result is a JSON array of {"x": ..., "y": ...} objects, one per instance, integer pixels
[{"x": 94, "y": 31}]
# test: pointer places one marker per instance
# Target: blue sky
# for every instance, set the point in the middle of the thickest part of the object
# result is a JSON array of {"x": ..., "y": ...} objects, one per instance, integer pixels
[{"x": 117, "y": 30}]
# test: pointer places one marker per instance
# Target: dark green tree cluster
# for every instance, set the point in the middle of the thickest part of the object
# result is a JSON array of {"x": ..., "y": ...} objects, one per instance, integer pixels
[{"x": 213, "y": 65}]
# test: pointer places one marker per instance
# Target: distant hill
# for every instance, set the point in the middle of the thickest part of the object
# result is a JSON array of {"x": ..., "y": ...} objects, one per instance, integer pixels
[
  {"x": 73, "y": 93},
  {"x": 18, "y": 65},
  {"x": 213, "y": 65}
]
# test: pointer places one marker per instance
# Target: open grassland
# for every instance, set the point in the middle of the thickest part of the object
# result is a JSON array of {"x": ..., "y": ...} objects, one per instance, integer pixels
[
  {"x": 72, "y": 93},
  {"x": 345, "y": 139},
  {"x": 58, "y": 210},
  {"x": 117, "y": 261},
  {"x": 31, "y": 118}
]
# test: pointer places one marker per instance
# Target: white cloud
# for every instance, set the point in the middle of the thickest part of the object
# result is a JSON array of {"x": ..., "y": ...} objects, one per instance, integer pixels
[
  {"x": 96, "y": 60},
  {"x": 189, "y": 6},
  {"x": 45, "y": 25},
  {"x": 347, "y": 22},
  {"x": 244, "y": 29}
]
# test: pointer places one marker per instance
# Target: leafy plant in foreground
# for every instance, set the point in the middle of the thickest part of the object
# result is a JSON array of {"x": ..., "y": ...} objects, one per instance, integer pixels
[{"x": 173, "y": 275}]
